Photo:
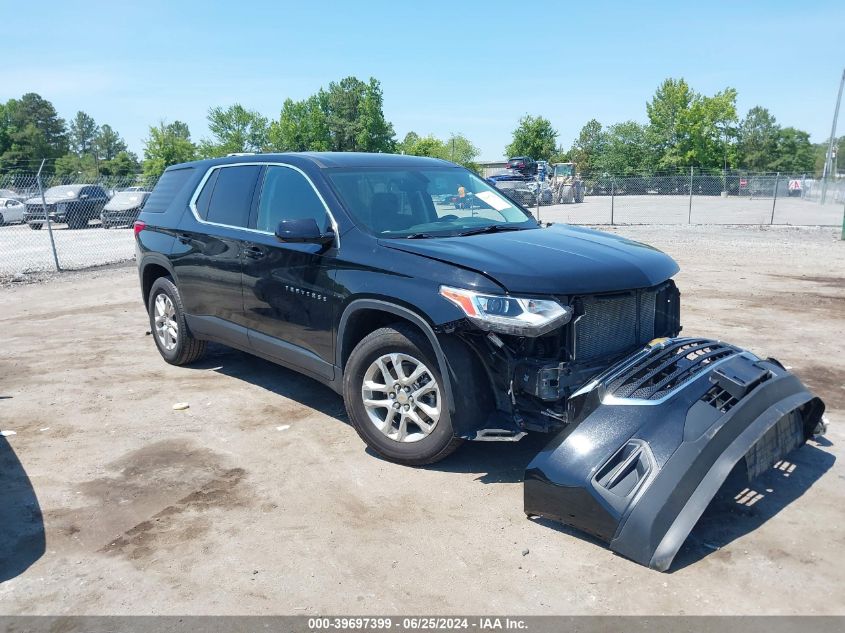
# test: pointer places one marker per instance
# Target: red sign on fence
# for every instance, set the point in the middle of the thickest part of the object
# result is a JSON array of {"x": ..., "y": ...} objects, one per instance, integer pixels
[{"x": 743, "y": 182}]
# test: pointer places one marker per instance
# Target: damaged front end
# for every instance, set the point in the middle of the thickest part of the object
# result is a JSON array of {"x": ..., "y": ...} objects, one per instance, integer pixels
[
  {"x": 532, "y": 376},
  {"x": 651, "y": 440}
]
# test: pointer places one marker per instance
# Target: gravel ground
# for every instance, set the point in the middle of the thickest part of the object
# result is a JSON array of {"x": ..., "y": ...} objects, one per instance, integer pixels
[{"x": 261, "y": 499}]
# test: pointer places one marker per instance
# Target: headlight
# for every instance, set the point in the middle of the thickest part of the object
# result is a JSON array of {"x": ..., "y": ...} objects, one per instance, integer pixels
[{"x": 519, "y": 316}]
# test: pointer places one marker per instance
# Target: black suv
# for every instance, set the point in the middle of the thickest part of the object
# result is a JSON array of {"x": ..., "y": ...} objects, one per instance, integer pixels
[
  {"x": 525, "y": 165},
  {"x": 74, "y": 204},
  {"x": 436, "y": 324}
]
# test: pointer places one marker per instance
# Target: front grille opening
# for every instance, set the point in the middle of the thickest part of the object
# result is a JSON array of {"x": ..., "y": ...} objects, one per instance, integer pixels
[
  {"x": 719, "y": 399},
  {"x": 661, "y": 372}
]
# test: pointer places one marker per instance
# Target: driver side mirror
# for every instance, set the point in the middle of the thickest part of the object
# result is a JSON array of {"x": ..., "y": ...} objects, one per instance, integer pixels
[{"x": 302, "y": 231}]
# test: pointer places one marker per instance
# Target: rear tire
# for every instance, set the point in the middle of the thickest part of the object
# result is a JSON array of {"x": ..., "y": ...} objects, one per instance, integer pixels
[
  {"x": 2, "y": 221},
  {"x": 168, "y": 326},
  {"x": 382, "y": 428},
  {"x": 35, "y": 227}
]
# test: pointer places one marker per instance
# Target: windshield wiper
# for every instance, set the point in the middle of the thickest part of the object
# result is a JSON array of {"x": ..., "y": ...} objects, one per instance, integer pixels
[
  {"x": 418, "y": 236},
  {"x": 491, "y": 228}
]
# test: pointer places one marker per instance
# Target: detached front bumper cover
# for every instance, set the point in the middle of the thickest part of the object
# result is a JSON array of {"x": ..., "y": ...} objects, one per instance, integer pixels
[{"x": 655, "y": 437}]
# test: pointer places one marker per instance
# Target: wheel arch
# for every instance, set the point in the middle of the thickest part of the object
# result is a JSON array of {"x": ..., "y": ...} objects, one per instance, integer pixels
[
  {"x": 152, "y": 268},
  {"x": 363, "y": 316}
]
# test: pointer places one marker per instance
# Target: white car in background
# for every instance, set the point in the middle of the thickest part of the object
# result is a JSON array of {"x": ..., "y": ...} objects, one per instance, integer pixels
[{"x": 11, "y": 211}]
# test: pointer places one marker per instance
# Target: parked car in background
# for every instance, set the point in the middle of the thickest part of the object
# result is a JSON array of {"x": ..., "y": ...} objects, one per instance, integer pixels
[
  {"x": 123, "y": 208},
  {"x": 11, "y": 211},
  {"x": 11, "y": 194},
  {"x": 75, "y": 205},
  {"x": 523, "y": 164}
]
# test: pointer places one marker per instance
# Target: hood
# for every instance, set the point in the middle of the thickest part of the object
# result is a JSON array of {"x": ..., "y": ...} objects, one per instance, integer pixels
[
  {"x": 126, "y": 200},
  {"x": 50, "y": 200},
  {"x": 558, "y": 260}
]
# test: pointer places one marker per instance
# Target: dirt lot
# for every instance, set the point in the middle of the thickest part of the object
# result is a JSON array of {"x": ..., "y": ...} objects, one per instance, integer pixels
[{"x": 261, "y": 499}]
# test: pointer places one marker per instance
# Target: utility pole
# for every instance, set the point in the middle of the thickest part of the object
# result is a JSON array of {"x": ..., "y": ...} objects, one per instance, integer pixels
[{"x": 828, "y": 163}]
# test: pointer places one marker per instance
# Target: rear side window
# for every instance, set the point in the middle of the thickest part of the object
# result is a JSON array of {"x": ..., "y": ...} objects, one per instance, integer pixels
[
  {"x": 231, "y": 198},
  {"x": 204, "y": 199},
  {"x": 288, "y": 195},
  {"x": 168, "y": 187}
]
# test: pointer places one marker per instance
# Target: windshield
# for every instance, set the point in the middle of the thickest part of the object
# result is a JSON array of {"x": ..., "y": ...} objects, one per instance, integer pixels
[
  {"x": 424, "y": 202},
  {"x": 563, "y": 170},
  {"x": 63, "y": 191}
]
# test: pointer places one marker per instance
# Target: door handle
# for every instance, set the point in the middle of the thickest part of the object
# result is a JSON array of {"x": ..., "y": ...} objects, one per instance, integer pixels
[{"x": 255, "y": 252}]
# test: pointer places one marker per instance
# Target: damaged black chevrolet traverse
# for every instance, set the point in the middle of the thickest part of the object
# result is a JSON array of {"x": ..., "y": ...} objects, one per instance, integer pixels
[
  {"x": 442, "y": 311},
  {"x": 440, "y": 317}
]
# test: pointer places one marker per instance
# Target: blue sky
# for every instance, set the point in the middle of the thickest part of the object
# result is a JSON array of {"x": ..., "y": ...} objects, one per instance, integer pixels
[{"x": 468, "y": 67}]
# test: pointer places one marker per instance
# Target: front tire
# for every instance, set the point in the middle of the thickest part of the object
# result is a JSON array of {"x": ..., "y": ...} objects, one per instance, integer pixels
[
  {"x": 35, "y": 226},
  {"x": 168, "y": 326},
  {"x": 395, "y": 398}
]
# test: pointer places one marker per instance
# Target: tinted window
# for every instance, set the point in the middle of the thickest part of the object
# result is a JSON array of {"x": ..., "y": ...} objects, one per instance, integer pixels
[
  {"x": 232, "y": 196},
  {"x": 287, "y": 195},
  {"x": 205, "y": 195},
  {"x": 169, "y": 185}
]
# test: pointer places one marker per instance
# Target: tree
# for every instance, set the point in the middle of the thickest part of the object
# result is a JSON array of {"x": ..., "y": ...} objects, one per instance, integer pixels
[
  {"x": 124, "y": 163},
  {"x": 425, "y": 146},
  {"x": 668, "y": 113},
  {"x": 623, "y": 150},
  {"x": 234, "y": 129},
  {"x": 408, "y": 143},
  {"x": 588, "y": 149},
  {"x": 302, "y": 126},
  {"x": 77, "y": 167},
  {"x": 757, "y": 139},
  {"x": 83, "y": 133},
  {"x": 108, "y": 143},
  {"x": 32, "y": 130},
  {"x": 794, "y": 154},
  {"x": 460, "y": 150},
  {"x": 167, "y": 144},
  {"x": 348, "y": 117},
  {"x": 534, "y": 137},
  {"x": 355, "y": 117}
]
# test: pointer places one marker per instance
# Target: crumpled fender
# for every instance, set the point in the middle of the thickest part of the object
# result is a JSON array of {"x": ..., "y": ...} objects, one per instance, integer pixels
[{"x": 655, "y": 437}]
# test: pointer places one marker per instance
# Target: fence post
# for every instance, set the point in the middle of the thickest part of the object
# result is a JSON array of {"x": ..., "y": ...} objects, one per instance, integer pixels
[
  {"x": 47, "y": 215},
  {"x": 539, "y": 194},
  {"x": 774, "y": 198},
  {"x": 612, "y": 184},
  {"x": 689, "y": 215}
]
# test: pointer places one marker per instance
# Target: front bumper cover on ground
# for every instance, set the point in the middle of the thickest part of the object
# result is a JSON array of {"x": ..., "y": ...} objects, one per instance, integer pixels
[{"x": 656, "y": 435}]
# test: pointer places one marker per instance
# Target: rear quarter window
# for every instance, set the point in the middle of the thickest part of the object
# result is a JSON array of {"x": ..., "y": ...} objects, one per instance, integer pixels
[{"x": 169, "y": 186}]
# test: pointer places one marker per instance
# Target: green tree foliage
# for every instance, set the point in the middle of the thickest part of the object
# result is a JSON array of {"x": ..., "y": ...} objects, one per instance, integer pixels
[
  {"x": 167, "y": 144},
  {"x": 124, "y": 163},
  {"x": 31, "y": 131},
  {"x": 534, "y": 137},
  {"x": 757, "y": 139},
  {"x": 589, "y": 148},
  {"x": 108, "y": 143},
  {"x": 234, "y": 129},
  {"x": 457, "y": 148},
  {"x": 687, "y": 128},
  {"x": 302, "y": 126},
  {"x": 347, "y": 117},
  {"x": 794, "y": 153},
  {"x": 624, "y": 150},
  {"x": 77, "y": 168},
  {"x": 82, "y": 133}
]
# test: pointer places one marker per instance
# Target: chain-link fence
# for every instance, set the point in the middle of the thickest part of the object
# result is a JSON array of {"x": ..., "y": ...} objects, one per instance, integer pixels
[
  {"x": 693, "y": 197},
  {"x": 52, "y": 223}
]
